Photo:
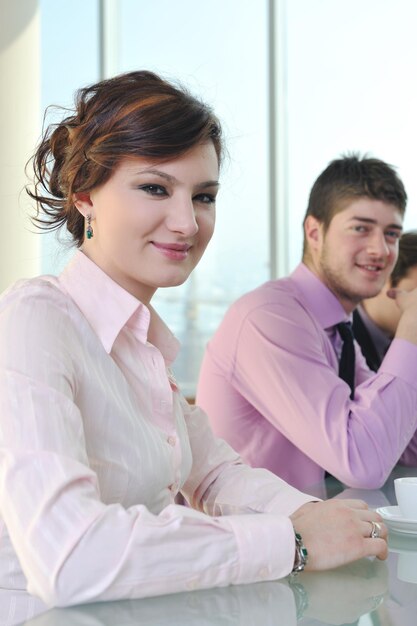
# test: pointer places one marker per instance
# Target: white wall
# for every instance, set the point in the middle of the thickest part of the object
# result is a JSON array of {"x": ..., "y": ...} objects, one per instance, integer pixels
[{"x": 19, "y": 127}]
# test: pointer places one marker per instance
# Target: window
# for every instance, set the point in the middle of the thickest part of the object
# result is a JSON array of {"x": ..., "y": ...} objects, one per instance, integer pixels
[
  {"x": 350, "y": 87},
  {"x": 220, "y": 53},
  {"x": 295, "y": 84}
]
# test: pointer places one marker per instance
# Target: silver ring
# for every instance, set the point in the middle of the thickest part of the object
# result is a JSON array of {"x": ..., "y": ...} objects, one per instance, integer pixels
[{"x": 376, "y": 530}]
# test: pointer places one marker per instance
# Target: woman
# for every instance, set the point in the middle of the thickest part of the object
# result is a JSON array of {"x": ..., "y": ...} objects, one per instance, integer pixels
[{"x": 96, "y": 440}]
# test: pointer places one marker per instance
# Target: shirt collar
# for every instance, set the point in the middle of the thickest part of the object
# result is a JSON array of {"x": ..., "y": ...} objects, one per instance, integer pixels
[
  {"x": 318, "y": 298},
  {"x": 108, "y": 307}
]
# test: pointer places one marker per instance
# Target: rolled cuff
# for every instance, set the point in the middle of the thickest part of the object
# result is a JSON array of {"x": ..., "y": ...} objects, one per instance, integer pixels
[
  {"x": 401, "y": 361},
  {"x": 266, "y": 546}
]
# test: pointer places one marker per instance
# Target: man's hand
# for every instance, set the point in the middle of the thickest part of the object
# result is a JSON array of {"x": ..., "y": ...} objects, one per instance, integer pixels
[{"x": 407, "y": 303}]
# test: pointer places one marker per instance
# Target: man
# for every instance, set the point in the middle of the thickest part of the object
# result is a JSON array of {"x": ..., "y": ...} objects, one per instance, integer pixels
[
  {"x": 270, "y": 377},
  {"x": 375, "y": 320}
]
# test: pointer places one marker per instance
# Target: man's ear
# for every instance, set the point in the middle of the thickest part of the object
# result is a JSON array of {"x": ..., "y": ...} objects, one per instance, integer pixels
[
  {"x": 83, "y": 202},
  {"x": 313, "y": 230}
]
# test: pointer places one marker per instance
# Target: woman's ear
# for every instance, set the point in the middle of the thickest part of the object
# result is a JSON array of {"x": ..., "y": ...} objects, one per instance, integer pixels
[{"x": 82, "y": 201}]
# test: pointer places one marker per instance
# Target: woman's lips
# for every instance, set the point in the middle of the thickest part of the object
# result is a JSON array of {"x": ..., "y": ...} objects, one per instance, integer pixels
[{"x": 173, "y": 251}]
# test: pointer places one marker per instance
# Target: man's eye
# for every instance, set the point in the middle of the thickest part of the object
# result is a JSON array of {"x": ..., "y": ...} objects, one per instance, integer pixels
[
  {"x": 154, "y": 190},
  {"x": 205, "y": 198},
  {"x": 392, "y": 234}
]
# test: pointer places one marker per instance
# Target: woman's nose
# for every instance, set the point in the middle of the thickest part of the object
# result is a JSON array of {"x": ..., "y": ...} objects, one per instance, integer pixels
[{"x": 182, "y": 218}]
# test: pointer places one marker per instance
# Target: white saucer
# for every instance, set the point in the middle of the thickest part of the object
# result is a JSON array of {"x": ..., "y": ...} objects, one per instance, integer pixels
[{"x": 395, "y": 521}]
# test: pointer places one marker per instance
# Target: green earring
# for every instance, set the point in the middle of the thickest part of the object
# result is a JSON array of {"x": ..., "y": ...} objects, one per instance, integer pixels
[{"x": 89, "y": 231}]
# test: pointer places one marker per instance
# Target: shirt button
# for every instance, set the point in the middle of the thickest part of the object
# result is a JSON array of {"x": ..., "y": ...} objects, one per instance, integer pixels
[
  {"x": 192, "y": 584},
  {"x": 173, "y": 488},
  {"x": 172, "y": 440},
  {"x": 264, "y": 572}
]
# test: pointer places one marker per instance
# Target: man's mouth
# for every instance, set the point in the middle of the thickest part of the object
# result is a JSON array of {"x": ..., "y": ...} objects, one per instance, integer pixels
[{"x": 371, "y": 267}]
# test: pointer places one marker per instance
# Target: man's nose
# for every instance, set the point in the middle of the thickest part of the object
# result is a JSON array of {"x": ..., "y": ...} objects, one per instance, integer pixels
[{"x": 378, "y": 245}]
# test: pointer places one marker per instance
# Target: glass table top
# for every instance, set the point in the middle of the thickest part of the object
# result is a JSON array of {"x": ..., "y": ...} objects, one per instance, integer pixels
[{"x": 366, "y": 593}]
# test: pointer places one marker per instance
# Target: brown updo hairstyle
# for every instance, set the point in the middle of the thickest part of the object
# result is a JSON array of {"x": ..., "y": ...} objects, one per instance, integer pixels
[{"x": 137, "y": 114}]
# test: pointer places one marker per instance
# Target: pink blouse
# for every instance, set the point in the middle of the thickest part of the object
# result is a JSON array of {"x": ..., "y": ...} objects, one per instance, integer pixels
[{"x": 96, "y": 442}]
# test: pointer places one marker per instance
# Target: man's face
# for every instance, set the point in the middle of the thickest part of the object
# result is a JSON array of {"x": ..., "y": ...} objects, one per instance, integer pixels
[{"x": 357, "y": 253}]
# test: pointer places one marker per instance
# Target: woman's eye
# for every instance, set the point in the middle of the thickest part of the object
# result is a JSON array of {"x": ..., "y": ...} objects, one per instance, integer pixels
[
  {"x": 205, "y": 198},
  {"x": 154, "y": 190},
  {"x": 360, "y": 229}
]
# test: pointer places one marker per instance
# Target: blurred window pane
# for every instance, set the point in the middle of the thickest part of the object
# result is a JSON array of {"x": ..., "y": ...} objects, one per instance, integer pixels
[
  {"x": 219, "y": 50},
  {"x": 345, "y": 77}
]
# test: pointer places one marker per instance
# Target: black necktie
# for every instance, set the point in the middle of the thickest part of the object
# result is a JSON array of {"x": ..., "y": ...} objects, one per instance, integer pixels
[{"x": 347, "y": 358}]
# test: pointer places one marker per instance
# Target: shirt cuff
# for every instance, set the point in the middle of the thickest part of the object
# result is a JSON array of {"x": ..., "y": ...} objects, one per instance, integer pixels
[
  {"x": 288, "y": 503},
  {"x": 266, "y": 546},
  {"x": 401, "y": 361}
]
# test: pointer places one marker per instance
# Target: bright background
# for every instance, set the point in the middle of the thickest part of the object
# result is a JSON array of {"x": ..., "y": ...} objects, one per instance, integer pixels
[{"x": 296, "y": 83}]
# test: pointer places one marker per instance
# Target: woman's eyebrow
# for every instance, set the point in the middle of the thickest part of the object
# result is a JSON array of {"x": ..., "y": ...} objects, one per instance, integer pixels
[
  {"x": 173, "y": 179},
  {"x": 160, "y": 173},
  {"x": 209, "y": 183}
]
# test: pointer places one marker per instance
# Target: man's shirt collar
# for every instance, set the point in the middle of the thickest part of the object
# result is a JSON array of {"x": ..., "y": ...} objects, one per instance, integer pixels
[{"x": 318, "y": 298}]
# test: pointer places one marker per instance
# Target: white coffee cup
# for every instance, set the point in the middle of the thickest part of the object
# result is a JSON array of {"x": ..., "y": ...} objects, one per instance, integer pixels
[
  {"x": 406, "y": 567},
  {"x": 405, "y": 545},
  {"x": 406, "y": 492}
]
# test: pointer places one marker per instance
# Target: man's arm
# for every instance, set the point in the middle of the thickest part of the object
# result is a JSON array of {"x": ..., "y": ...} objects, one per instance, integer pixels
[{"x": 277, "y": 359}]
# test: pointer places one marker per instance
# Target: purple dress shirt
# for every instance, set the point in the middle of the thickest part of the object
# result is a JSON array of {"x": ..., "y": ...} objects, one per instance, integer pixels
[
  {"x": 380, "y": 339},
  {"x": 269, "y": 383}
]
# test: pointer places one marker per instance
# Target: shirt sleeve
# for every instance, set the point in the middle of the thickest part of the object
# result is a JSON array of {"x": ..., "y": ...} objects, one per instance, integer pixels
[
  {"x": 274, "y": 358},
  {"x": 242, "y": 605},
  {"x": 220, "y": 484},
  {"x": 72, "y": 547}
]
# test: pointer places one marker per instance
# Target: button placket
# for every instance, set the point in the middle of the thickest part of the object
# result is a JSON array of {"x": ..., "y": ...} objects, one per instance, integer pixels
[
  {"x": 161, "y": 393},
  {"x": 264, "y": 572},
  {"x": 192, "y": 584}
]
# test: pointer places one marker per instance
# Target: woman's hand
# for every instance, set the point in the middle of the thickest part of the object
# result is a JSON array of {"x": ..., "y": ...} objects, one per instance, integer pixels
[{"x": 336, "y": 532}]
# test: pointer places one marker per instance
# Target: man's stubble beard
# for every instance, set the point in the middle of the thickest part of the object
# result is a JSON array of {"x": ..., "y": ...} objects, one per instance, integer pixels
[{"x": 337, "y": 285}]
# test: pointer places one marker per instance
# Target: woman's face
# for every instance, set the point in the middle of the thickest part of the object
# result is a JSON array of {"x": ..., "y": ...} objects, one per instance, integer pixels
[{"x": 152, "y": 221}]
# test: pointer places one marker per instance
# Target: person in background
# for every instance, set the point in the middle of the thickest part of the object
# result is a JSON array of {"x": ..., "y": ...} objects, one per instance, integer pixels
[
  {"x": 282, "y": 380},
  {"x": 375, "y": 320},
  {"x": 96, "y": 440}
]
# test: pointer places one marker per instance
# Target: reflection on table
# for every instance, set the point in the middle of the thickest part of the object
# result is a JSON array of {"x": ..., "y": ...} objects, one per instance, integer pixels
[{"x": 368, "y": 592}]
